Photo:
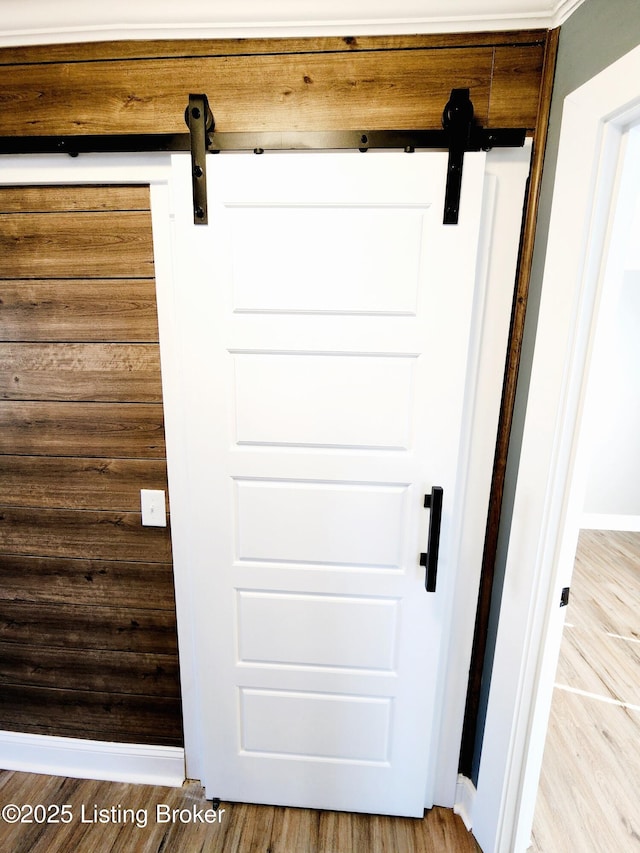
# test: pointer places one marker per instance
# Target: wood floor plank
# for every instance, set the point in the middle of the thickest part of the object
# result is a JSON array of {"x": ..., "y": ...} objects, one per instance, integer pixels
[
  {"x": 605, "y": 588},
  {"x": 336, "y": 831},
  {"x": 241, "y": 828},
  {"x": 599, "y": 663},
  {"x": 587, "y": 799},
  {"x": 251, "y": 828},
  {"x": 294, "y": 829}
]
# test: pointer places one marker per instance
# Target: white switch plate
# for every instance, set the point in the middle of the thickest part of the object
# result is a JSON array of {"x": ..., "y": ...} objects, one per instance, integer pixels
[{"x": 154, "y": 513}]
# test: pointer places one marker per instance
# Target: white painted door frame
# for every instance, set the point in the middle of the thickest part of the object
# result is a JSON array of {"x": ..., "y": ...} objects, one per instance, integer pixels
[
  {"x": 496, "y": 272},
  {"x": 76, "y": 757},
  {"x": 540, "y": 555}
]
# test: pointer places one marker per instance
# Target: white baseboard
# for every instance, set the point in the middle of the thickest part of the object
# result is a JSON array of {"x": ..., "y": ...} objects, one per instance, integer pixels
[
  {"x": 90, "y": 759},
  {"x": 600, "y": 521},
  {"x": 465, "y": 796}
]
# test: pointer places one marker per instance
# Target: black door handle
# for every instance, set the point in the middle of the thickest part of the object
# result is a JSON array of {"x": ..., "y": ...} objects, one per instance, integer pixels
[{"x": 429, "y": 559}]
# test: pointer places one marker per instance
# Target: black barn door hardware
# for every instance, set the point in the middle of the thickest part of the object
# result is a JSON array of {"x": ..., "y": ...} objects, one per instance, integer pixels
[
  {"x": 200, "y": 120},
  {"x": 429, "y": 558},
  {"x": 458, "y": 135}
]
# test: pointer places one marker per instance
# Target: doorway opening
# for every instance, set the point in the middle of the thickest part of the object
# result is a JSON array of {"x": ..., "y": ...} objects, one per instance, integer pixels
[
  {"x": 595, "y": 708},
  {"x": 597, "y": 120}
]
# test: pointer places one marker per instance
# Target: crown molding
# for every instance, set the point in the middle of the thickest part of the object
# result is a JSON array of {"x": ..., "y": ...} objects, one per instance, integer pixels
[
  {"x": 563, "y": 10},
  {"x": 27, "y": 22}
]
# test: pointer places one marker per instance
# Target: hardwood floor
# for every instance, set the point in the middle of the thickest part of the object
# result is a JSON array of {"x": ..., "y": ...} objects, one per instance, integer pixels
[
  {"x": 588, "y": 796},
  {"x": 135, "y": 823}
]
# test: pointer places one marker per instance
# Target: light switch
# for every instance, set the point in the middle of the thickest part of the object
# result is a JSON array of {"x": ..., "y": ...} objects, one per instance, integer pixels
[{"x": 154, "y": 513}]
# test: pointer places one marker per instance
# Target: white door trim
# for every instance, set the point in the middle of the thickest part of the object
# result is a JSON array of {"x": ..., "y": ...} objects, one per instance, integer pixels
[
  {"x": 594, "y": 119},
  {"x": 155, "y": 171}
]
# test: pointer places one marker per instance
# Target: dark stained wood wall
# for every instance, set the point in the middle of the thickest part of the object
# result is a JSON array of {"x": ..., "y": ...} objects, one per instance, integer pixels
[
  {"x": 278, "y": 84},
  {"x": 361, "y": 83},
  {"x": 87, "y": 617}
]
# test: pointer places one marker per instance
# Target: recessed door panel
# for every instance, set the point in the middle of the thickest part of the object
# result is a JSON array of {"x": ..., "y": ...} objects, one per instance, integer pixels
[
  {"x": 317, "y": 630},
  {"x": 324, "y": 399},
  {"x": 320, "y": 522},
  {"x": 330, "y": 258}
]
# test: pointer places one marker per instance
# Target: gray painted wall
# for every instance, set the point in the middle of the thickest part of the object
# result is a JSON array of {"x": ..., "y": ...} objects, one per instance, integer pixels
[{"x": 598, "y": 33}]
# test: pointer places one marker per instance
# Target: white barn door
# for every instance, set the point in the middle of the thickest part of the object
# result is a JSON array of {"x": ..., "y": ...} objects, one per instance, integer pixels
[{"x": 330, "y": 315}]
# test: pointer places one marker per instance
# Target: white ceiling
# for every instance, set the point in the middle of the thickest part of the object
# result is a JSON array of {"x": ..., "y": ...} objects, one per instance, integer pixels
[{"x": 45, "y": 22}]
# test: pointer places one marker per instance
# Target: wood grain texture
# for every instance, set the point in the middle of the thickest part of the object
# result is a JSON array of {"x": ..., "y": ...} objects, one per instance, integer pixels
[
  {"x": 77, "y": 483},
  {"x": 601, "y": 663},
  {"x": 315, "y": 84},
  {"x": 82, "y": 533},
  {"x": 101, "y": 670},
  {"x": 88, "y": 644},
  {"x": 80, "y": 372},
  {"x": 99, "y": 310},
  {"x": 107, "y": 583},
  {"x": 182, "y": 48},
  {"x": 127, "y": 430},
  {"x": 88, "y": 628},
  {"x": 79, "y": 713},
  {"x": 515, "y": 85},
  {"x": 73, "y": 245},
  {"x": 360, "y": 89},
  {"x": 66, "y": 199},
  {"x": 241, "y": 829},
  {"x": 587, "y": 799}
]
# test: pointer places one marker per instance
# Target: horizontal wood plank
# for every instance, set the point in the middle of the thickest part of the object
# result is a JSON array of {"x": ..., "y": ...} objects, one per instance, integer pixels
[
  {"x": 182, "y": 48},
  {"x": 107, "y": 583},
  {"x": 127, "y": 430},
  {"x": 71, "y": 626},
  {"x": 76, "y": 245},
  {"x": 96, "y": 716},
  {"x": 105, "y": 671},
  {"x": 88, "y": 643},
  {"x": 370, "y": 90},
  {"x": 126, "y": 373},
  {"x": 97, "y": 310},
  {"x": 83, "y": 534},
  {"x": 65, "y": 199},
  {"x": 77, "y": 483}
]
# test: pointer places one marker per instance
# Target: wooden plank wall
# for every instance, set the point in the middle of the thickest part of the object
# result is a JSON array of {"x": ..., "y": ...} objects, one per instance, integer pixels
[
  {"x": 87, "y": 617},
  {"x": 270, "y": 84},
  {"x": 361, "y": 83}
]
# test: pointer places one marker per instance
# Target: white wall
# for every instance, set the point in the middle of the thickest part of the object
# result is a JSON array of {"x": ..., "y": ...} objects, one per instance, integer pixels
[{"x": 612, "y": 498}]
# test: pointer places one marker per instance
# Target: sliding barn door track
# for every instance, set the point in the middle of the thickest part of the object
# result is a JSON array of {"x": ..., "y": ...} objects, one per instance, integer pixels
[{"x": 460, "y": 133}]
